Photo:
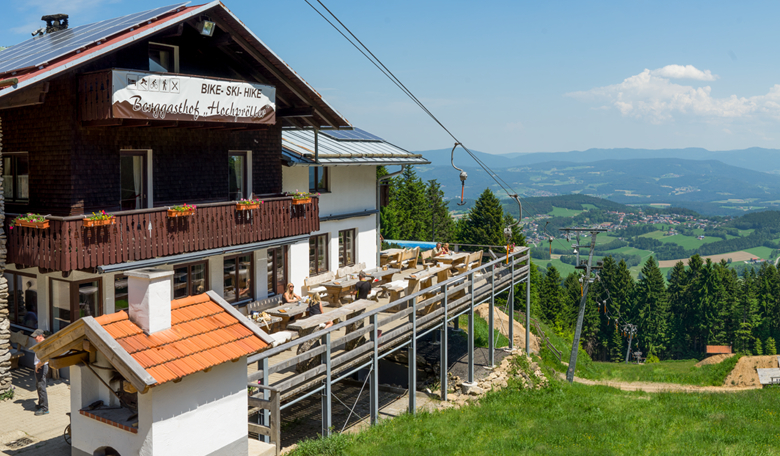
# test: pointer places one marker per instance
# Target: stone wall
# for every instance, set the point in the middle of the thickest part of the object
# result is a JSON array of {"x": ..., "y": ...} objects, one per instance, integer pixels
[{"x": 5, "y": 323}]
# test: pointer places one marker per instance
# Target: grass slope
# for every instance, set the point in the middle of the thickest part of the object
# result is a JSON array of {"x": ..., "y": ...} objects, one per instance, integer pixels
[
  {"x": 575, "y": 420},
  {"x": 481, "y": 332}
]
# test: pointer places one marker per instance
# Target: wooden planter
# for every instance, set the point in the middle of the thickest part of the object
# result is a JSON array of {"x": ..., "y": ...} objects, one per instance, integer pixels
[
  {"x": 92, "y": 223},
  {"x": 247, "y": 207},
  {"x": 175, "y": 213},
  {"x": 38, "y": 225},
  {"x": 301, "y": 201}
]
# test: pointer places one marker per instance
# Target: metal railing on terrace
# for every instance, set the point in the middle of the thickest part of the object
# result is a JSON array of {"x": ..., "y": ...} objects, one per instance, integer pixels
[
  {"x": 372, "y": 335},
  {"x": 149, "y": 233}
]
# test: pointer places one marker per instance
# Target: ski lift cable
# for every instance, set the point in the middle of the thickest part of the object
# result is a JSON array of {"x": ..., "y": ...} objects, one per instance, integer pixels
[{"x": 389, "y": 74}]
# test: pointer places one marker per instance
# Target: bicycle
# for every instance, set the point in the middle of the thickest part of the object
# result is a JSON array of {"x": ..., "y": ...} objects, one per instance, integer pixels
[{"x": 66, "y": 435}]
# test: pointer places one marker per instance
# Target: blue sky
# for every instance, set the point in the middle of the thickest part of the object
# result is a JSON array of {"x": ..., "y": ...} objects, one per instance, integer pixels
[{"x": 510, "y": 76}]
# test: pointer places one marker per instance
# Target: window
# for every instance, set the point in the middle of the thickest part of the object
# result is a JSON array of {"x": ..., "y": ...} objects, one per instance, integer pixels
[
  {"x": 238, "y": 278},
  {"x": 189, "y": 279},
  {"x": 346, "y": 248},
  {"x": 163, "y": 58},
  {"x": 318, "y": 179},
  {"x": 132, "y": 180},
  {"x": 121, "y": 301},
  {"x": 71, "y": 301},
  {"x": 318, "y": 254},
  {"x": 22, "y": 299},
  {"x": 16, "y": 174},
  {"x": 277, "y": 270},
  {"x": 237, "y": 178}
]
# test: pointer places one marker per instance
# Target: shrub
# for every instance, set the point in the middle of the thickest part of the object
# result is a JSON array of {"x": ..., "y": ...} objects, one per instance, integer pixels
[{"x": 652, "y": 359}]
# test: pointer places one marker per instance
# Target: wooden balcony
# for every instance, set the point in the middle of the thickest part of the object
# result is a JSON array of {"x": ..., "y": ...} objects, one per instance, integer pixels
[{"x": 145, "y": 234}]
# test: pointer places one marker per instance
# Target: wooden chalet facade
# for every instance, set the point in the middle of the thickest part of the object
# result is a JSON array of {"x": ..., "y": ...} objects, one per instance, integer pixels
[{"x": 70, "y": 150}]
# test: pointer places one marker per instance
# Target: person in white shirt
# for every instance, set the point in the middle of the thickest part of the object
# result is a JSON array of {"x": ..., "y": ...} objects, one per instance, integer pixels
[{"x": 41, "y": 370}]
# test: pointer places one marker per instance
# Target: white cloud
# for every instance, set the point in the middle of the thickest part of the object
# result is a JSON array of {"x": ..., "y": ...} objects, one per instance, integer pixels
[
  {"x": 684, "y": 72},
  {"x": 652, "y": 95}
]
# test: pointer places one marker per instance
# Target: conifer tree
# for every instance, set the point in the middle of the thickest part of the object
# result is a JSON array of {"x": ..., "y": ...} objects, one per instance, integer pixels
[
  {"x": 617, "y": 349},
  {"x": 551, "y": 298},
  {"x": 440, "y": 226},
  {"x": 757, "y": 350},
  {"x": 770, "y": 348},
  {"x": 484, "y": 224},
  {"x": 652, "y": 310},
  {"x": 679, "y": 311}
]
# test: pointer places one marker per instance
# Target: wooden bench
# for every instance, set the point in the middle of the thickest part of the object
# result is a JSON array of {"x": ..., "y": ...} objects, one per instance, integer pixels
[
  {"x": 313, "y": 284},
  {"x": 427, "y": 258},
  {"x": 347, "y": 270},
  {"x": 410, "y": 258},
  {"x": 474, "y": 260},
  {"x": 394, "y": 289},
  {"x": 306, "y": 326}
]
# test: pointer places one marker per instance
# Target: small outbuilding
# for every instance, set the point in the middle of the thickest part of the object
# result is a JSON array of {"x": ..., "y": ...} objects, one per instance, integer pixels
[{"x": 162, "y": 378}]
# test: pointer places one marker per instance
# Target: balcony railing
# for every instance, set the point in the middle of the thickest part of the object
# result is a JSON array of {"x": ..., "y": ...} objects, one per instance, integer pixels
[{"x": 144, "y": 234}]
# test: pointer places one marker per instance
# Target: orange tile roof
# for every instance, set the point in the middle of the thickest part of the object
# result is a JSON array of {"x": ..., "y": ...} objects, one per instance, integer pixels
[{"x": 202, "y": 335}]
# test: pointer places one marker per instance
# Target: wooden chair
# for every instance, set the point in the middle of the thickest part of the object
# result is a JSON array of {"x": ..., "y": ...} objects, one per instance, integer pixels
[
  {"x": 21, "y": 340},
  {"x": 474, "y": 260},
  {"x": 410, "y": 258},
  {"x": 394, "y": 260},
  {"x": 427, "y": 258},
  {"x": 312, "y": 284},
  {"x": 347, "y": 270}
]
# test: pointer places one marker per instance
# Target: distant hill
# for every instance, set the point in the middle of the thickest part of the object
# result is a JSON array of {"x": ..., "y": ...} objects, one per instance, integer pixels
[
  {"x": 709, "y": 187},
  {"x": 754, "y": 158}
]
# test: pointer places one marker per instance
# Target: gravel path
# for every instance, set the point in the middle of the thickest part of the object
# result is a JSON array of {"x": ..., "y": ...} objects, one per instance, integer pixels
[{"x": 651, "y": 387}]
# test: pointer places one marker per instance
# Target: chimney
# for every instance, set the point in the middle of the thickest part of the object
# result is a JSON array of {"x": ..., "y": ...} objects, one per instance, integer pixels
[
  {"x": 55, "y": 22},
  {"x": 149, "y": 294}
]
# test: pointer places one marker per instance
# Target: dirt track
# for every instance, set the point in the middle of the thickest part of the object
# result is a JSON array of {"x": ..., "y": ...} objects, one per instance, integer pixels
[
  {"x": 650, "y": 387},
  {"x": 500, "y": 322}
]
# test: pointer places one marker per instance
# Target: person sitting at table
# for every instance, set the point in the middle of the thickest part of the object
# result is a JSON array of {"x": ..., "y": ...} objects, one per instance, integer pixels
[
  {"x": 362, "y": 288},
  {"x": 315, "y": 308},
  {"x": 289, "y": 295},
  {"x": 446, "y": 249},
  {"x": 437, "y": 250}
]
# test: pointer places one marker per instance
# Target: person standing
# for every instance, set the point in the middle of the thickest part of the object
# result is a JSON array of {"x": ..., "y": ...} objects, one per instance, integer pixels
[{"x": 41, "y": 371}]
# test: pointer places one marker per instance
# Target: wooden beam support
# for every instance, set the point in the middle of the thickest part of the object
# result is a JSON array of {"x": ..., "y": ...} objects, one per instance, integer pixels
[
  {"x": 250, "y": 49},
  {"x": 133, "y": 123},
  {"x": 28, "y": 96},
  {"x": 68, "y": 360},
  {"x": 118, "y": 356},
  {"x": 163, "y": 124}
]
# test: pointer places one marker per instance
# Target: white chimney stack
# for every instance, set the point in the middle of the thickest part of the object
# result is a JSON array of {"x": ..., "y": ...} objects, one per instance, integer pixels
[{"x": 149, "y": 294}]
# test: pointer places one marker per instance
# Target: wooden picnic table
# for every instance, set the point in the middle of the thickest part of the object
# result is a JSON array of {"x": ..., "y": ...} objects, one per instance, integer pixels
[
  {"x": 308, "y": 325},
  {"x": 270, "y": 326},
  {"x": 449, "y": 259},
  {"x": 287, "y": 311},
  {"x": 337, "y": 290},
  {"x": 416, "y": 280},
  {"x": 383, "y": 276},
  {"x": 389, "y": 252}
]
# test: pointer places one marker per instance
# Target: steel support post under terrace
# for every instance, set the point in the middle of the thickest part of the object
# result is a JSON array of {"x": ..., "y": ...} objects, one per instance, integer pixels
[
  {"x": 528, "y": 310},
  {"x": 491, "y": 337},
  {"x": 443, "y": 349},
  {"x": 375, "y": 370},
  {"x": 471, "y": 331},
  {"x": 327, "y": 420},
  {"x": 511, "y": 308},
  {"x": 412, "y": 355},
  {"x": 266, "y": 396}
]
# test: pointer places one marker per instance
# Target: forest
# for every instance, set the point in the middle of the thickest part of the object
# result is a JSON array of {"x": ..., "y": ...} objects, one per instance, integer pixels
[{"x": 702, "y": 304}]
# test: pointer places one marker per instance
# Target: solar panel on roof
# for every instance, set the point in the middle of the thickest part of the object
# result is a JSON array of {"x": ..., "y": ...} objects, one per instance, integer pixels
[
  {"x": 351, "y": 135},
  {"x": 43, "y": 49}
]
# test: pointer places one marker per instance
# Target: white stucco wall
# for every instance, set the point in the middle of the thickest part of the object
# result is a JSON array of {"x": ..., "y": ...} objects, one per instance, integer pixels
[
  {"x": 352, "y": 189},
  {"x": 203, "y": 413}
]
